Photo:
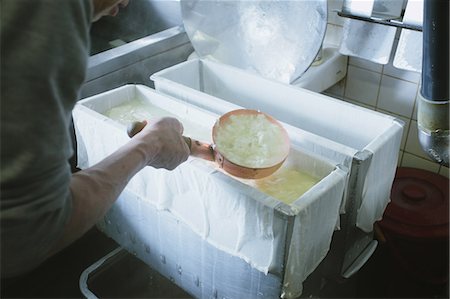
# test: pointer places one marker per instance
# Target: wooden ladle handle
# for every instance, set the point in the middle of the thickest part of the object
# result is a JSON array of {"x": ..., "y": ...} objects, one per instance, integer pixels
[{"x": 135, "y": 127}]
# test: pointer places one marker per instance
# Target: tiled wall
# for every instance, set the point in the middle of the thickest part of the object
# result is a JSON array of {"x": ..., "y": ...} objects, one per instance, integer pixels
[{"x": 383, "y": 88}]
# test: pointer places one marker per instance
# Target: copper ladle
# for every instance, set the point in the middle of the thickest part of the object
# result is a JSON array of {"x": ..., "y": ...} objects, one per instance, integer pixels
[{"x": 211, "y": 152}]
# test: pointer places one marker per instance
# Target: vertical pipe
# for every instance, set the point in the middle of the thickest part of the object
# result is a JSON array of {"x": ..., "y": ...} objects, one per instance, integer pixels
[
  {"x": 435, "y": 73},
  {"x": 433, "y": 108}
]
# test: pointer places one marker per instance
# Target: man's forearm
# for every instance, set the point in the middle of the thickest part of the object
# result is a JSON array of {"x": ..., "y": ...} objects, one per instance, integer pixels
[{"x": 95, "y": 189}]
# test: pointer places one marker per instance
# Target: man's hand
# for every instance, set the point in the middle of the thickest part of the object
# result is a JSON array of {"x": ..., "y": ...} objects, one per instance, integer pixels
[{"x": 164, "y": 141}]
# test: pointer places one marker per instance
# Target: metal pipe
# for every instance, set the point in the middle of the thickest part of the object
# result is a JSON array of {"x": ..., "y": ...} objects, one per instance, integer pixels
[{"x": 433, "y": 108}]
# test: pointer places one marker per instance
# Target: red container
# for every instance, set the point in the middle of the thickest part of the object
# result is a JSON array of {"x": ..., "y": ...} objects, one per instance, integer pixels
[{"x": 416, "y": 225}]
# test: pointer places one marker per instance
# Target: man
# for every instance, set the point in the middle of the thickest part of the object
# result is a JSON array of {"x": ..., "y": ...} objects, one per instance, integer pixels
[{"x": 43, "y": 208}]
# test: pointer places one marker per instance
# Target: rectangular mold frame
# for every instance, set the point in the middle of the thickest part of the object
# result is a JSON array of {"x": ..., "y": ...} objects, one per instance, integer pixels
[
  {"x": 99, "y": 136},
  {"x": 365, "y": 141}
]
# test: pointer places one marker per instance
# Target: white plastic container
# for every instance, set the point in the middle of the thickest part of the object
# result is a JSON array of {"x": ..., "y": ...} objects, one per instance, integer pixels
[
  {"x": 219, "y": 230},
  {"x": 220, "y": 88}
]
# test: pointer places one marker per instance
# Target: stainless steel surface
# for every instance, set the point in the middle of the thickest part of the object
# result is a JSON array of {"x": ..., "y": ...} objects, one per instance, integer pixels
[
  {"x": 136, "y": 73},
  {"x": 139, "y": 19},
  {"x": 351, "y": 247},
  {"x": 356, "y": 239},
  {"x": 117, "y": 58},
  {"x": 136, "y": 61},
  {"x": 277, "y": 39},
  {"x": 144, "y": 38}
]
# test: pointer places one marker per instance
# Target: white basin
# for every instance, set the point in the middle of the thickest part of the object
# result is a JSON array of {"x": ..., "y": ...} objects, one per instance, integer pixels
[
  {"x": 321, "y": 75},
  {"x": 328, "y": 71}
]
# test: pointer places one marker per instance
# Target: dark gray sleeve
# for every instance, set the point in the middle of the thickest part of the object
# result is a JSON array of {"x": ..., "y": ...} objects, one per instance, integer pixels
[{"x": 44, "y": 52}]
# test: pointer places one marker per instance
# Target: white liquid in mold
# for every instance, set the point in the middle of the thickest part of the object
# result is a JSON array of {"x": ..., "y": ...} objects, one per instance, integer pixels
[
  {"x": 137, "y": 110},
  {"x": 286, "y": 184}
]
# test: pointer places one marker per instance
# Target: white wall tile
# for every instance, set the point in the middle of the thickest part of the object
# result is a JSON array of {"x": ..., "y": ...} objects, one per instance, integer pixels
[
  {"x": 410, "y": 160},
  {"x": 365, "y": 64},
  {"x": 390, "y": 70},
  {"x": 397, "y": 96},
  {"x": 354, "y": 102},
  {"x": 362, "y": 85}
]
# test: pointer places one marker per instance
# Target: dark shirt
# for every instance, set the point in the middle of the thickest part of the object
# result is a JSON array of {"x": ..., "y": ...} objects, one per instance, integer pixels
[{"x": 44, "y": 53}]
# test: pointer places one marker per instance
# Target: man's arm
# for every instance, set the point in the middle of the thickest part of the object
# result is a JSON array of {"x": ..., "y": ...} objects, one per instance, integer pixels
[{"x": 95, "y": 189}]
